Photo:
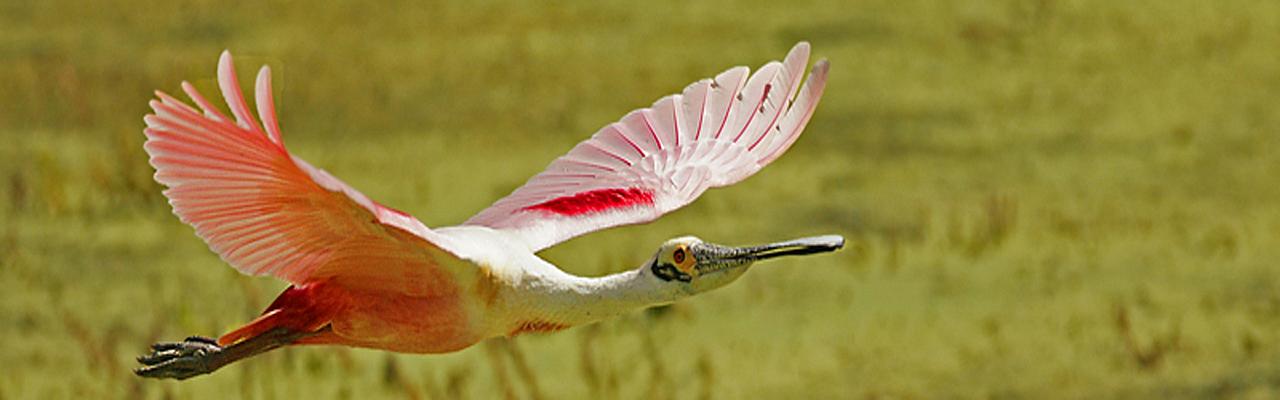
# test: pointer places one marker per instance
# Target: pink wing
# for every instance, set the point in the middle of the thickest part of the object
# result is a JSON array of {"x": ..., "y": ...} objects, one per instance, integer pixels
[
  {"x": 655, "y": 160},
  {"x": 267, "y": 212}
]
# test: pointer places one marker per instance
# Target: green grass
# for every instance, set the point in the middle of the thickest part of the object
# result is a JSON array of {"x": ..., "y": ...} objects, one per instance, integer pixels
[{"x": 1044, "y": 199}]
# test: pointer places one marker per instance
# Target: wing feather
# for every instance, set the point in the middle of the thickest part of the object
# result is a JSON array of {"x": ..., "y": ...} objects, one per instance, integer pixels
[
  {"x": 794, "y": 122},
  {"x": 724, "y": 90},
  {"x": 693, "y": 106},
  {"x": 267, "y": 212},
  {"x": 716, "y": 132}
]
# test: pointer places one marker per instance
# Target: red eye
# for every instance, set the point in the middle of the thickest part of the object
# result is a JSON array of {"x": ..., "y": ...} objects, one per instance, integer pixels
[{"x": 678, "y": 256}]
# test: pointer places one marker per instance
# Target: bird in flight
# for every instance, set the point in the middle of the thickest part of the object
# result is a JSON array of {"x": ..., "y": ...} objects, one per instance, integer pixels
[{"x": 366, "y": 275}]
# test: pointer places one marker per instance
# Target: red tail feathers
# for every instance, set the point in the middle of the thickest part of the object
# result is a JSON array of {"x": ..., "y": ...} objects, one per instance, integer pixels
[{"x": 305, "y": 308}]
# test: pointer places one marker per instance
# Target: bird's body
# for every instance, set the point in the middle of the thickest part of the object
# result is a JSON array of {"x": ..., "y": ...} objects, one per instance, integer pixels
[
  {"x": 367, "y": 275},
  {"x": 488, "y": 297}
]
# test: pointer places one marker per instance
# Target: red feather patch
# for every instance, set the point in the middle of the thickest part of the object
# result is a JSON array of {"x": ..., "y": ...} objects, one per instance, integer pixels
[
  {"x": 595, "y": 201},
  {"x": 300, "y": 308}
]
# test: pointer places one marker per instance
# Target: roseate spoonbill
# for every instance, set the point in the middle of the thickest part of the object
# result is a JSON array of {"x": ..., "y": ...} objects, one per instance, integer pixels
[{"x": 366, "y": 275}]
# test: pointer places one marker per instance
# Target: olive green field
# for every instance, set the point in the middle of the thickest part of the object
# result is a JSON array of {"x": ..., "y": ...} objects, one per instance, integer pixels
[{"x": 1043, "y": 199}]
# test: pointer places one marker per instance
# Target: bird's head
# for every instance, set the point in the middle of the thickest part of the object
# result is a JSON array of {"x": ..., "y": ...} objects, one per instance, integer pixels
[{"x": 690, "y": 266}]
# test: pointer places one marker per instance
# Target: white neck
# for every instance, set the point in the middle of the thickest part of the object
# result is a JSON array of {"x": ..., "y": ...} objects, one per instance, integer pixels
[{"x": 569, "y": 300}]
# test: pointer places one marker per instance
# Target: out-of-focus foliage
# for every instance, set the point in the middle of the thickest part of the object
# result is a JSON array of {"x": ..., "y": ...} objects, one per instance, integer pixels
[{"x": 1044, "y": 198}]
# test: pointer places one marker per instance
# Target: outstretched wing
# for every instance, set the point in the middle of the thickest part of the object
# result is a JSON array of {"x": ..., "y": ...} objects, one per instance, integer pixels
[
  {"x": 715, "y": 133},
  {"x": 267, "y": 212}
]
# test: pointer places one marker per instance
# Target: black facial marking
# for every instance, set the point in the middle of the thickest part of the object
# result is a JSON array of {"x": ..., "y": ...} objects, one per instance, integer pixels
[{"x": 668, "y": 272}]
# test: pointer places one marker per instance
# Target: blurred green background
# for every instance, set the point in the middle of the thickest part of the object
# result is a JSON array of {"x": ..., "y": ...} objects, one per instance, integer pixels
[{"x": 1044, "y": 199}]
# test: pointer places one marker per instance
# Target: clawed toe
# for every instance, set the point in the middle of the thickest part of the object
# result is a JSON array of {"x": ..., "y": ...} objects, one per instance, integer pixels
[
  {"x": 202, "y": 339},
  {"x": 162, "y": 346},
  {"x": 179, "y": 360},
  {"x": 157, "y": 357}
]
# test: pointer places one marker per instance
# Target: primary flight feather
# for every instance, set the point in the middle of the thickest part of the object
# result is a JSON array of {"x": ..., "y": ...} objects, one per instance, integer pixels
[{"x": 367, "y": 275}]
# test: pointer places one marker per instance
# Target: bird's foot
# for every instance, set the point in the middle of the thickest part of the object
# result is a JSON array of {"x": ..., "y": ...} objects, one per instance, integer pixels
[{"x": 196, "y": 355}]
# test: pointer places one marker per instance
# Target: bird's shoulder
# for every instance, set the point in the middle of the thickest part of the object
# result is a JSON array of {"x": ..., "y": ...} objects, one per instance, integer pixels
[{"x": 495, "y": 253}]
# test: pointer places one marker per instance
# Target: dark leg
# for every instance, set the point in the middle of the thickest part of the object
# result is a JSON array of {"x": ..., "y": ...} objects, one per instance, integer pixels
[{"x": 200, "y": 355}]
